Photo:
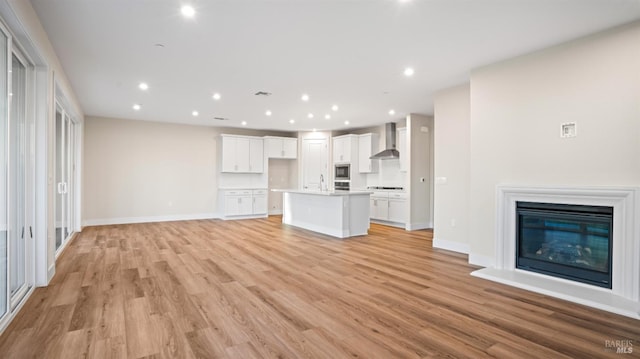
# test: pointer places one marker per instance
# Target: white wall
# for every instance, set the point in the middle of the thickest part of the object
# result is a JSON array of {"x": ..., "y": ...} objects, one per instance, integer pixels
[
  {"x": 452, "y": 127},
  {"x": 140, "y": 171},
  {"x": 517, "y": 107},
  {"x": 137, "y": 169},
  {"x": 420, "y": 143}
]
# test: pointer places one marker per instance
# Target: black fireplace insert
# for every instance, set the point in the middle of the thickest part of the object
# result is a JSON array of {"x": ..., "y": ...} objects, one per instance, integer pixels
[{"x": 566, "y": 241}]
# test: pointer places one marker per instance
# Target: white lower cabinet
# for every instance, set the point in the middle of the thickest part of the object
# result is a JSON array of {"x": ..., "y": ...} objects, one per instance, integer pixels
[
  {"x": 244, "y": 202},
  {"x": 379, "y": 208},
  {"x": 391, "y": 207},
  {"x": 259, "y": 201},
  {"x": 398, "y": 210}
]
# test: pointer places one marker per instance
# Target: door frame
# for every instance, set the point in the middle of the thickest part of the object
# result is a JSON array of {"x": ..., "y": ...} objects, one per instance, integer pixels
[
  {"x": 29, "y": 183},
  {"x": 69, "y": 133}
]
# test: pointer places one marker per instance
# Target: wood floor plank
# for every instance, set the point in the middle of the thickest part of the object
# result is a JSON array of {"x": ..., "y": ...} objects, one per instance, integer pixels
[{"x": 260, "y": 289}]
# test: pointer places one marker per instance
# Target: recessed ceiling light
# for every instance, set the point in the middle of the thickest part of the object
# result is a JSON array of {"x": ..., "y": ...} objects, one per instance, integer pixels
[
  {"x": 310, "y": 115},
  {"x": 244, "y": 123},
  {"x": 392, "y": 112},
  {"x": 188, "y": 11},
  {"x": 292, "y": 121},
  {"x": 327, "y": 117},
  {"x": 346, "y": 122},
  {"x": 334, "y": 107},
  {"x": 305, "y": 97},
  {"x": 195, "y": 113},
  {"x": 409, "y": 71},
  {"x": 137, "y": 107},
  {"x": 216, "y": 96},
  {"x": 268, "y": 113},
  {"x": 143, "y": 86}
]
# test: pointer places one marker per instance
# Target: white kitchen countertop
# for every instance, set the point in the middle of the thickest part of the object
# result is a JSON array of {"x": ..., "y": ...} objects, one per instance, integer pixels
[{"x": 324, "y": 193}]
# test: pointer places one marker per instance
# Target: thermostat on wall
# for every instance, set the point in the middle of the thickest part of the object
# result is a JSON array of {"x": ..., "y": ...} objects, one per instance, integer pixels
[{"x": 569, "y": 129}]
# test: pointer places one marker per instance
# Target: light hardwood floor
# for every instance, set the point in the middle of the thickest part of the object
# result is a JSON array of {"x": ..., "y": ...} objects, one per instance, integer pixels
[{"x": 256, "y": 288}]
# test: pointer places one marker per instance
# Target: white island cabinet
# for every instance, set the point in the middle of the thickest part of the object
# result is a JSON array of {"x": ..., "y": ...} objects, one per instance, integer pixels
[{"x": 339, "y": 214}]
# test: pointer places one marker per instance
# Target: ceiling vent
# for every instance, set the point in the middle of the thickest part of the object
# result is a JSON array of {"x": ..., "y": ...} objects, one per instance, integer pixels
[{"x": 262, "y": 93}]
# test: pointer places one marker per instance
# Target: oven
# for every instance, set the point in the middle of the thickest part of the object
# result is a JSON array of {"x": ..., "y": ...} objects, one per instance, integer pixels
[{"x": 341, "y": 185}]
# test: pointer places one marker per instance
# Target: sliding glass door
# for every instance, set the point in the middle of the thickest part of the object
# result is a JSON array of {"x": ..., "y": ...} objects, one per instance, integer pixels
[
  {"x": 65, "y": 174},
  {"x": 4, "y": 173},
  {"x": 20, "y": 230},
  {"x": 16, "y": 177}
]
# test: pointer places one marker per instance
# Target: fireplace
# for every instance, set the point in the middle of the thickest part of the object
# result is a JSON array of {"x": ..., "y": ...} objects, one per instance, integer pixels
[
  {"x": 622, "y": 258},
  {"x": 567, "y": 241}
]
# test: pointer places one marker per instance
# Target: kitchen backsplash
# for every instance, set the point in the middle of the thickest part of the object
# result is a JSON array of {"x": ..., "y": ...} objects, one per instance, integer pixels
[{"x": 388, "y": 175}]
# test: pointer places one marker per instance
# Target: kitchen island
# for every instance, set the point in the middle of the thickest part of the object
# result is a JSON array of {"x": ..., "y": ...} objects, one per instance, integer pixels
[{"x": 339, "y": 214}]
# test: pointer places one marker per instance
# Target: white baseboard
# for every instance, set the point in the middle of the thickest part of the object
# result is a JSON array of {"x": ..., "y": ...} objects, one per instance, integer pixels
[
  {"x": 275, "y": 212},
  {"x": 481, "y": 260},
  {"x": 128, "y": 220},
  {"x": 451, "y": 245},
  {"x": 50, "y": 273},
  {"x": 249, "y": 216},
  {"x": 387, "y": 223},
  {"x": 418, "y": 225}
]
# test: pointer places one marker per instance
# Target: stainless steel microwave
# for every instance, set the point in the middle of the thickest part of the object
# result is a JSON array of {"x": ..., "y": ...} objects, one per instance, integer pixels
[{"x": 342, "y": 172}]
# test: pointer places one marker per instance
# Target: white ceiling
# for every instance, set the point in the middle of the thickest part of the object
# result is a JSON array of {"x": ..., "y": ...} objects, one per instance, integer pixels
[{"x": 349, "y": 53}]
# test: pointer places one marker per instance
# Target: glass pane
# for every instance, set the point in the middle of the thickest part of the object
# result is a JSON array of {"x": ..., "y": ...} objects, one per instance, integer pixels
[
  {"x": 17, "y": 172},
  {"x": 60, "y": 205},
  {"x": 578, "y": 241},
  {"x": 4, "y": 139},
  {"x": 68, "y": 176}
]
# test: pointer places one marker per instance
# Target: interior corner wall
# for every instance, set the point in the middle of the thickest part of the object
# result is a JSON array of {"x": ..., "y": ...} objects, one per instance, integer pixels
[
  {"x": 140, "y": 171},
  {"x": 452, "y": 131},
  {"x": 420, "y": 143},
  {"x": 518, "y": 106}
]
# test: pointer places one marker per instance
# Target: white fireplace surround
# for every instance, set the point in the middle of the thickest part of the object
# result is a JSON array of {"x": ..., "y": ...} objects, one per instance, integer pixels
[{"x": 624, "y": 296}]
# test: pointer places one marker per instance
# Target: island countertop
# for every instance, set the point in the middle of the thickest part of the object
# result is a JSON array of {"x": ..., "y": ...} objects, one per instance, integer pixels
[
  {"x": 324, "y": 193},
  {"x": 340, "y": 214}
]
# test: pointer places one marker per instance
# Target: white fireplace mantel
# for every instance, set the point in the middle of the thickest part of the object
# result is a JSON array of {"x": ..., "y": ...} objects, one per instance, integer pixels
[{"x": 624, "y": 296}]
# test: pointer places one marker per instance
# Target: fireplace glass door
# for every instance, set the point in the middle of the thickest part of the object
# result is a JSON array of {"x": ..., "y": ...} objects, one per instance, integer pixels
[{"x": 567, "y": 241}]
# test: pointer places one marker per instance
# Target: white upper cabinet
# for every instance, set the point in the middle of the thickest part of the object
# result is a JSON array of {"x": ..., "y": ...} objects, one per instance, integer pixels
[
  {"x": 367, "y": 146},
  {"x": 403, "y": 149},
  {"x": 242, "y": 154},
  {"x": 281, "y": 147},
  {"x": 344, "y": 147},
  {"x": 256, "y": 155}
]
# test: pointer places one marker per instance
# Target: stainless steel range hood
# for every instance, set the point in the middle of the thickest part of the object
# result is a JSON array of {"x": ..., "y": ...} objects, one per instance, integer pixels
[{"x": 390, "y": 151}]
